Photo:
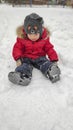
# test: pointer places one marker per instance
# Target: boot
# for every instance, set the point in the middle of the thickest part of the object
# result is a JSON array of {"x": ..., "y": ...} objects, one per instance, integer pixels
[
  {"x": 53, "y": 73},
  {"x": 19, "y": 78}
]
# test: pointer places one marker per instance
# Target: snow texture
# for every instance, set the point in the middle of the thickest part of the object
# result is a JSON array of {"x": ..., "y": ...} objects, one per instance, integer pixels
[{"x": 41, "y": 105}]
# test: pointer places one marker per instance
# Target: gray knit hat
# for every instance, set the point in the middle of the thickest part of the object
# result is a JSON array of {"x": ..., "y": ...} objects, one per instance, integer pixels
[{"x": 33, "y": 24}]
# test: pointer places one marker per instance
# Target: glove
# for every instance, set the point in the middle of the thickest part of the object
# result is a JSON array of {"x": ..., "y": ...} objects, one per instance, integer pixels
[
  {"x": 54, "y": 63},
  {"x": 18, "y": 62}
]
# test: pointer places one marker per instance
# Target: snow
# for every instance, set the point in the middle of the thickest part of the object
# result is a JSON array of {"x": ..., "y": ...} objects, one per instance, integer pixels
[{"x": 41, "y": 105}]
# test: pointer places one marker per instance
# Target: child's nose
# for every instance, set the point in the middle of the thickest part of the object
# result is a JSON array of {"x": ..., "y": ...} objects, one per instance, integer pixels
[{"x": 32, "y": 31}]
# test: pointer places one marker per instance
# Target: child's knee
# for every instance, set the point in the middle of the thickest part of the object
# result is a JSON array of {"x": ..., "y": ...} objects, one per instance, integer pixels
[
  {"x": 24, "y": 68},
  {"x": 44, "y": 67}
]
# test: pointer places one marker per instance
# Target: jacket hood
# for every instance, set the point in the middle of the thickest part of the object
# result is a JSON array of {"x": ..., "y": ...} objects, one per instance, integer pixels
[{"x": 20, "y": 32}]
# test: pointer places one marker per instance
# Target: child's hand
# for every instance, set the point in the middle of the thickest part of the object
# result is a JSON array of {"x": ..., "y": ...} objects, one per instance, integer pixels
[
  {"x": 18, "y": 62},
  {"x": 54, "y": 63}
]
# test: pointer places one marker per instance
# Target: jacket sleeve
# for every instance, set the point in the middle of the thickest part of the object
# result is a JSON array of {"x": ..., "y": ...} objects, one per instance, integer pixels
[
  {"x": 17, "y": 49},
  {"x": 50, "y": 51}
]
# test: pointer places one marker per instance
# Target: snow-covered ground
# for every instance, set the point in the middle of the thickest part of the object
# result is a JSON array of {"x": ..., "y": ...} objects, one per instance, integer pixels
[{"x": 41, "y": 105}]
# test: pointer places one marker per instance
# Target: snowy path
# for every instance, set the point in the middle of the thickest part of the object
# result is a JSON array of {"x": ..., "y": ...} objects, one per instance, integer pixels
[{"x": 42, "y": 105}]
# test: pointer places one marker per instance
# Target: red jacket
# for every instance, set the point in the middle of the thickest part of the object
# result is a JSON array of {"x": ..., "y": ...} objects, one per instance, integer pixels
[{"x": 27, "y": 48}]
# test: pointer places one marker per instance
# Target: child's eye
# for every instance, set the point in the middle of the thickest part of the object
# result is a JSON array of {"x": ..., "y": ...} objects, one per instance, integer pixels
[
  {"x": 29, "y": 27},
  {"x": 35, "y": 27}
]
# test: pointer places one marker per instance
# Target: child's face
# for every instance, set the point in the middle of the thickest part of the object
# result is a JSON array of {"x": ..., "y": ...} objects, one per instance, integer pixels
[{"x": 33, "y": 37}]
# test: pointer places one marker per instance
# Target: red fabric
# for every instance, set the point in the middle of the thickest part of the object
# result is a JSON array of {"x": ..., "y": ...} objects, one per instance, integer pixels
[{"x": 27, "y": 48}]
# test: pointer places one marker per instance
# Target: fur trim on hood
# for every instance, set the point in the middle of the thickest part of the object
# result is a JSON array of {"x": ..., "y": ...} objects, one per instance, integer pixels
[{"x": 21, "y": 33}]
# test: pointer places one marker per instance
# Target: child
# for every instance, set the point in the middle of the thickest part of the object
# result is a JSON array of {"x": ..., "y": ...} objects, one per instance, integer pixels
[{"x": 31, "y": 50}]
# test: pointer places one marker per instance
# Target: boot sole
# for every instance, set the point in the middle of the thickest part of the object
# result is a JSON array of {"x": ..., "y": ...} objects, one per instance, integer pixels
[
  {"x": 54, "y": 74},
  {"x": 15, "y": 78}
]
